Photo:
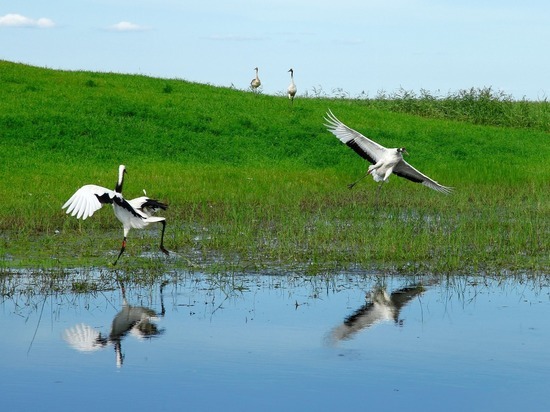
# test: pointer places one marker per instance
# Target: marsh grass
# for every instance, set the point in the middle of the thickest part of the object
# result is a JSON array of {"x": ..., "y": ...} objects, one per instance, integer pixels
[
  {"x": 482, "y": 105},
  {"x": 255, "y": 184}
]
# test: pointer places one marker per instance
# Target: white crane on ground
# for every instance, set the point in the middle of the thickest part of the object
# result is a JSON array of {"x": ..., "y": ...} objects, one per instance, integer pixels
[
  {"x": 292, "y": 87},
  {"x": 383, "y": 161},
  {"x": 136, "y": 213},
  {"x": 255, "y": 83}
]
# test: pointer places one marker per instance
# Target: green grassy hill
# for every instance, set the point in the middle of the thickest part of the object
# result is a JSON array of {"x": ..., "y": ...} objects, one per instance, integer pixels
[{"x": 253, "y": 181}]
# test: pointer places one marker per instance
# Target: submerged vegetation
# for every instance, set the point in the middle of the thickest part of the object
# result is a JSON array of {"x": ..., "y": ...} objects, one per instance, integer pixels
[{"x": 256, "y": 184}]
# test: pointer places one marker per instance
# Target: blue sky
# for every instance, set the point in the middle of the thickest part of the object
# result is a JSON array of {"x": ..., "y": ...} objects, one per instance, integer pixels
[{"x": 352, "y": 45}]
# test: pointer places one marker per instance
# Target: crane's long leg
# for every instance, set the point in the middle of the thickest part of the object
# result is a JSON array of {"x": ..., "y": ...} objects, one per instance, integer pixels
[
  {"x": 162, "y": 310},
  {"x": 350, "y": 186},
  {"x": 378, "y": 190},
  {"x": 162, "y": 238},
  {"x": 369, "y": 171},
  {"x": 121, "y": 250}
]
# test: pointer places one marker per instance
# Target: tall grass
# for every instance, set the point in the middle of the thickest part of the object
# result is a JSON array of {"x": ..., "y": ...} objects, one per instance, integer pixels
[
  {"x": 484, "y": 106},
  {"x": 255, "y": 183}
]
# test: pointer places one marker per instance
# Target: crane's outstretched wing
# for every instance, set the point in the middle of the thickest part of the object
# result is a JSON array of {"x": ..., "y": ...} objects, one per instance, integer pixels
[
  {"x": 83, "y": 338},
  {"x": 147, "y": 205},
  {"x": 403, "y": 169},
  {"x": 362, "y": 145},
  {"x": 88, "y": 199},
  {"x": 401, "y": 297}
]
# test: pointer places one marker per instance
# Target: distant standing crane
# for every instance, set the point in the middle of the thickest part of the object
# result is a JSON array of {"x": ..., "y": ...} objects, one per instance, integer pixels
[
  {"x": 384, "y": 161},
  {"x": 255, "y": 83},
  {"x": 292, "y": 87},
  {"x": 136, "y": 213}
]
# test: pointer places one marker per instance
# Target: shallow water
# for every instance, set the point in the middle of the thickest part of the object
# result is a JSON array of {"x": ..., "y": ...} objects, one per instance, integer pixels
[{"x": 341, "y": 342}]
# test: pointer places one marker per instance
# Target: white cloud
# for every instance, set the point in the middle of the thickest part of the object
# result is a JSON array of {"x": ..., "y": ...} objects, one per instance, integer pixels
[
  {"x": 127, "y": 26},
  {"x": 17, "y": 20}
]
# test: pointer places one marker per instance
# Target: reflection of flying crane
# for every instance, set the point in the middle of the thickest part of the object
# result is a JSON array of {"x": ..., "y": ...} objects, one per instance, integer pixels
[
  {"x": 136, "y": 320},
  {"x": 380, "y": 307}
]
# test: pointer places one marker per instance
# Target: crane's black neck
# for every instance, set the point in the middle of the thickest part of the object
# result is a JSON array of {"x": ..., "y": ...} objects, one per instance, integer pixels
[{"x": 120, "y": 182}]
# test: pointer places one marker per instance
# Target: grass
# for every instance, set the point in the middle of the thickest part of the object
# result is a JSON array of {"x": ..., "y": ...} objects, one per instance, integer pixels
[
  {"x": 484, "y": 106},
  {"x": 256, "y": 184}
]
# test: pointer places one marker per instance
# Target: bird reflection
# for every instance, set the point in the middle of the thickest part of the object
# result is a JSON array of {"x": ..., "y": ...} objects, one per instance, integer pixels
[
  {"x": 137, "y": 321},
  {"x": 380, "y": 307}
]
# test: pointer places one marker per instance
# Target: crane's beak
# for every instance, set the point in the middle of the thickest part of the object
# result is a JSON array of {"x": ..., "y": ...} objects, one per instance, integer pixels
[{"x": 405, "y": 151}]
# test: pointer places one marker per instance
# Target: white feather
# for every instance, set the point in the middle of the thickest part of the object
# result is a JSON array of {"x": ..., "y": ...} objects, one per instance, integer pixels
[{"x": 84, "y": 203}]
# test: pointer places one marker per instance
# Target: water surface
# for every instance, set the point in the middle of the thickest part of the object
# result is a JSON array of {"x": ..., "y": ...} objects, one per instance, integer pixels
[{"x": 246, "y": 342}]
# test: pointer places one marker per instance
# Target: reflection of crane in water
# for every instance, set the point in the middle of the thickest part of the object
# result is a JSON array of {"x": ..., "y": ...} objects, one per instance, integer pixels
[
  {"x": 136, "y": 320},
  {"x": 380, "y": 307}
]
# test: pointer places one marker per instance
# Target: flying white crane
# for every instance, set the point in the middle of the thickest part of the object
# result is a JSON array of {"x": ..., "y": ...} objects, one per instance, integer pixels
[
  {"x": 136, "y": 213},
  {"x": 384, "y": 161},
  {"x": 255, "y": 83},
  {"x": 292, "y": 87}
]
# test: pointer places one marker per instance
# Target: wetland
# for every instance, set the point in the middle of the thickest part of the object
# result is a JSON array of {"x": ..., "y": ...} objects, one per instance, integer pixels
[{"x": 282, "y": 288}]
